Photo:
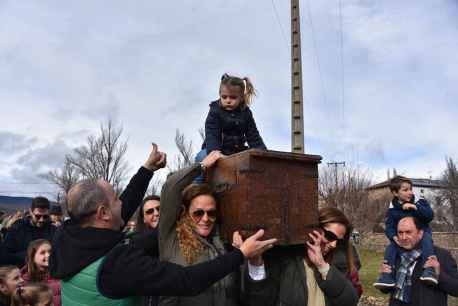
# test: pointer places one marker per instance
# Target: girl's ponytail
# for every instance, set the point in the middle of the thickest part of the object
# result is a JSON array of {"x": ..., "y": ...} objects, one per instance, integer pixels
[{"x": 249, "y": 92}]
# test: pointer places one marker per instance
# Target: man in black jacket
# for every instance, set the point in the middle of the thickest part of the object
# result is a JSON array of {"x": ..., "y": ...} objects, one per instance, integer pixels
[
  {"x": 417, "y": 293},
  {"x": 35, "y": 226},
  {"x": 93, "y": 241}
]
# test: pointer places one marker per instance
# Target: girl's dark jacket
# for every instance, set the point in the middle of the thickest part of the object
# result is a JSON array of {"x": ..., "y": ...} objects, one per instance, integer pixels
[{"x": 228, "y": 131}]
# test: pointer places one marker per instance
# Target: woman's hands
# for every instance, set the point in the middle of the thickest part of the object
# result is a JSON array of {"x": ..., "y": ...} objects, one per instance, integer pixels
[{"x": 314, "y": 250}]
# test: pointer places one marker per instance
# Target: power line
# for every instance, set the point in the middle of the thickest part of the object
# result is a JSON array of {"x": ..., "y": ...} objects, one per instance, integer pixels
[
  {"x": 277, "y": 16},
  {"x": 317, "y": 59}
]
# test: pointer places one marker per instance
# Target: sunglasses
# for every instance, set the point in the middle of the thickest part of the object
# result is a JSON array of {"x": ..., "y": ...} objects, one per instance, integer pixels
[
  {"x": 331, "y": 237},
  {"x": 151, "y": 210},
  {"x": 199, "y": 214},
  {"x": 41, "y": 217}
]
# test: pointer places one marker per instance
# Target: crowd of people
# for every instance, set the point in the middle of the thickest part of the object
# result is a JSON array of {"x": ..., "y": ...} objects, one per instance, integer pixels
[{"x": 171, "y": 253}]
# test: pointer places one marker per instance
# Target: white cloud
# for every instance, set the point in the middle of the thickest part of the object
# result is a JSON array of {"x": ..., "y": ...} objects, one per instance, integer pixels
[{"x": 155, "y": 66}]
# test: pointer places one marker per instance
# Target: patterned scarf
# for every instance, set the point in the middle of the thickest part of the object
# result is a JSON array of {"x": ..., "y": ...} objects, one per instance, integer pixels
[{"x": 404, "y": 275}]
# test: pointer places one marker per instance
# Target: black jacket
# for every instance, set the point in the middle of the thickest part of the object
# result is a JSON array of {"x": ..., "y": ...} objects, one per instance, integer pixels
[
  {"x": 228, "y": 131},
  {"x": 132, "y": 269},
  {"x": 74, "y": 247},
  {"x": 423, "y": 295},
  {"x": 18, "y": 238}
]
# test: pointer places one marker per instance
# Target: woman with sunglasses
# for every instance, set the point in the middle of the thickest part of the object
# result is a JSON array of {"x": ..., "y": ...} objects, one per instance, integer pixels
[
  {"x": 306, "y": 279},
  {"x": 148, "y": 214},
  {"x": 188, "y": 233},
  {"x": 148, "y": 221}
]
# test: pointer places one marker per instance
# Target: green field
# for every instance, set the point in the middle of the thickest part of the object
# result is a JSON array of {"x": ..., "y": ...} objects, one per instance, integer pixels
[{"x": 370, "y": 261}]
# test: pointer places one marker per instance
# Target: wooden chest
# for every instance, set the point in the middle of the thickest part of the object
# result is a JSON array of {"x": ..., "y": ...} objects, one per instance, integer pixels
[{"x": 275, "y": 191}]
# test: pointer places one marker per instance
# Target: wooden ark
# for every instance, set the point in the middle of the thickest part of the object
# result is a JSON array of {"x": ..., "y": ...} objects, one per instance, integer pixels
[{"x": 276, "y": 191}]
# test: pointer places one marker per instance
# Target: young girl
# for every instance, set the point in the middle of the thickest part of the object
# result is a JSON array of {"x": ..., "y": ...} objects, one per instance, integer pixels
[
  {"x": 33, "y": 294},
  {"x": 10, "y": 279},
  {"x": 37, "y": 267},
  {"x": 230, "y": 123}
]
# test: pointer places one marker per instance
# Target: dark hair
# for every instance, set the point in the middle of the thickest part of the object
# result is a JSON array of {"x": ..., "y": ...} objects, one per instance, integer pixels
[
  {"x": 34, "y": 273},
  {"x": 334, "y": 215},
  {"x": 55, "y": 210},
  {"x": 32, "y": 294},
  {"x": 396, "y": 182},
  {"x": 140, "y": 226},
  {"x": 40, "y": 202},
  {"x": 415, "y": 220},
  {"x": 245, "y": 85}
]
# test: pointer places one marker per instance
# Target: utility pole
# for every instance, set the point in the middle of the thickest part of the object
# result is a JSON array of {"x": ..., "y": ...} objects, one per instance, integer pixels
[
  {"x": 297, "y": 109},
  {"x": 336, "y": 165}
]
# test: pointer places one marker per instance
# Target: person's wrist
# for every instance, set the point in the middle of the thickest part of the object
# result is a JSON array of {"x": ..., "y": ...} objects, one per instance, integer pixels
[
  {"x": 203, "y": 167},
  {"x": 150, "y": 167},
  {"x": 323, "y": 268},
  {"x": 321, "y": 264},
  {"x": 257, "y": 261}
]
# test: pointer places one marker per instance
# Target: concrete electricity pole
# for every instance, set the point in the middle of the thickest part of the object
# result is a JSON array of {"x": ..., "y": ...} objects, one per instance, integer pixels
[{"x": 297, "y": 109}]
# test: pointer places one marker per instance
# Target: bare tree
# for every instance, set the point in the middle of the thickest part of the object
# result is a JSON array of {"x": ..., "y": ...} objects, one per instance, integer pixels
[
  {"x": 186, "y": 152},
  {"x": 155, "y": 186},
  {"x": 450, "y": 193},
  {"x": 347, "y": 191},
  {"x": 103, "y": 156},
  {"x": 64, "y": 178}
]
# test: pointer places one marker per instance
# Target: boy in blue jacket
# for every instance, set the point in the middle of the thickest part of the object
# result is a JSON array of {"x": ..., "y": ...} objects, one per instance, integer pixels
[{"x": 402, "y": 206}]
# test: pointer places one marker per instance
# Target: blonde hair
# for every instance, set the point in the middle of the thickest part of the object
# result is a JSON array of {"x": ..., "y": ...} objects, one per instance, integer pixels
[
  {"x": 32, "y": 294},
  {"x": 245, "y": 84},
  {"x": 4, "y": 272},
  {"x": 190, "y": 246}
]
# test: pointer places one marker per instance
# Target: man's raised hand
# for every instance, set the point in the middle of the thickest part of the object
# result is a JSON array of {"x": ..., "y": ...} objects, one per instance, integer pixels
[
  {"x": 253, "y": 247},
  {"x": 156, "y": 159}
]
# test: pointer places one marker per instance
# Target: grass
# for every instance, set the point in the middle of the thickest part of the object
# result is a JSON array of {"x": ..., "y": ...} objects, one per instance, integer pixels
[{"x": 368, "y": 274}]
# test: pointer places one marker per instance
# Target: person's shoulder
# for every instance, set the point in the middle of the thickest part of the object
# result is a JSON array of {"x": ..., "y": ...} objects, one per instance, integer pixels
[{"x": 214, "y": 105}]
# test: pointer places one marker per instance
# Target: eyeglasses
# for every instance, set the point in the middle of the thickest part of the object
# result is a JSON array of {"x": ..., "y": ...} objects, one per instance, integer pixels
[
  {"x": 40, "y": 217},
  {"x": 199, "y": 214},
  {"x": 331, "y": 237},
  {"x": 151, "y": 210}
]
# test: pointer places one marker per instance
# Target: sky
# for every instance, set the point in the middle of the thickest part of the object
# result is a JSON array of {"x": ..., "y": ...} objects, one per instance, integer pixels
[{"x": 379, "y": 79}]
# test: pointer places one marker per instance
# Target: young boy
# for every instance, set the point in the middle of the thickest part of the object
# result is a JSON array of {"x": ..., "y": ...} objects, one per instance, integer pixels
[{"x": 402, "y": 206}]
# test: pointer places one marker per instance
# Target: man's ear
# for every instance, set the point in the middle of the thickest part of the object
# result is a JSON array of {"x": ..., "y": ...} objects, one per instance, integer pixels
[
  {"x": 421, "y": 232},
  {"x": 102, "y": 213}
]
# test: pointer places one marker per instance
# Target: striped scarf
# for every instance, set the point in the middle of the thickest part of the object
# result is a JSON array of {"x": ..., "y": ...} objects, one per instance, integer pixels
[{"x": 404, "y": 275}]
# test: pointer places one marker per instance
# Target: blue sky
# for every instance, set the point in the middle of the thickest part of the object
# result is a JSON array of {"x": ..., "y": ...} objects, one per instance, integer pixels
[{"x": 155, "y": 66}]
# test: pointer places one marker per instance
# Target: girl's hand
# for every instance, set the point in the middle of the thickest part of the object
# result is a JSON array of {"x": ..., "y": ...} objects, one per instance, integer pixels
[
  {"x": 211, "y": 159},
  {"x": 314, "y": 249}
]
